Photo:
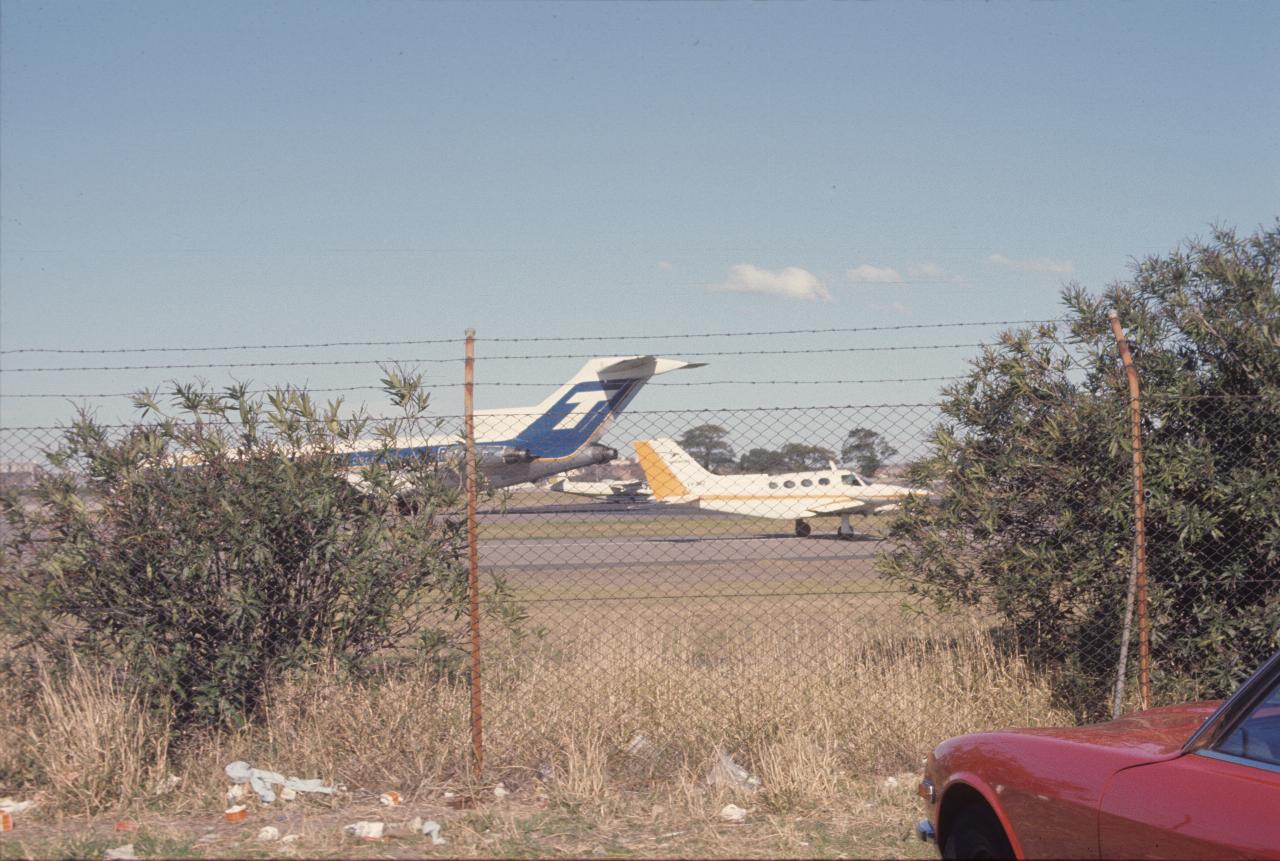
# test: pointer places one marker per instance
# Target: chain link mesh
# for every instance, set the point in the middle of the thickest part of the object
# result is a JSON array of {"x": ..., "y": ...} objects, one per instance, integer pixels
[{"x": 656, "y": 601}]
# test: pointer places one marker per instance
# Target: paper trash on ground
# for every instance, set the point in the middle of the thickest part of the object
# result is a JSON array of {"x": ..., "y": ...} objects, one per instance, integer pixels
[{"x": 261, "y": 781}]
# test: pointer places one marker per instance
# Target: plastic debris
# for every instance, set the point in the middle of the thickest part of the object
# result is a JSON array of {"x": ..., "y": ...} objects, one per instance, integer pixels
[
  {"x": 120, "y": 853},
  {"x": 641, "y": 747},
  {"x": 890, "y": 783},
  {"x": 268, "y": 833},
  {"x": 291, "y": 838},
  {"x": 288, "y": 794},
  {"x": 165, "y": 785},
  {"x": 733, "y": 813},
  {"x": 8, "y": 805},
  {"x": 236, "y": 793},
  {"x": 365, "y": 830},
  {"x": 500, "y": 791},
  {"x": 726, "y": 772},
  {"x": 261, "y": 781},
  {"x": 6, "y": 821},
  {"x": 390, "y": 798},
  {"x": 431, "y": 829},
  {"x": 125, "y": 825},
  {"x": 236, "y": 813}
]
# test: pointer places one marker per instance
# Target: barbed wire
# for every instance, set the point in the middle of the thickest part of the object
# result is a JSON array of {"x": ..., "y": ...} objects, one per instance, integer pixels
[
  {"x": 441, "y": 419},
  {"x": 456, "y": 385},
  {"x": 518, "y": 340},
  {"x": 414, "y": 361}
]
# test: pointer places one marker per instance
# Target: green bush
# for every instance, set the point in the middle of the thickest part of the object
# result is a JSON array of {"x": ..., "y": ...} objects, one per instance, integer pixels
[
  {"x": 1033, "y": 461},
  {"x": 211, "y": 551}
]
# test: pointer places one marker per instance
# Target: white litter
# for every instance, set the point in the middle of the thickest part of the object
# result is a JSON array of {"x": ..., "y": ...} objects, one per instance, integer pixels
[
  {"x": 165, "y": 785},
  {"x": 291, "y": 838},
  {"x": 288, "y": 793},
  {"x": 733, "y": 813},
  {"x": 268, "y": 834},
  {"x": 500, "y": 792},
  {"x": 365, "y": 829},
  {"x": 641, "y": 746},
  {"x": 431, "y": 828},
  {"x": 261, "y": 781},
  {"x": 890, "y": 783},
  {"x": 8, "y": 805},
  {"x": 120, "y": 853},
  {"x": 726, "y": 772}
]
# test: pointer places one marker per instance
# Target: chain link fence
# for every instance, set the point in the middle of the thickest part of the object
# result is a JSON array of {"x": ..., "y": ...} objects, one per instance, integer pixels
[{"x": 732, "y": 575}]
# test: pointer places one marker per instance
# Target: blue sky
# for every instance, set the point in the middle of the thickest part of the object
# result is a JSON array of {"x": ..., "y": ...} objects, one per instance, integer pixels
[{"x": 178, "y": 174}]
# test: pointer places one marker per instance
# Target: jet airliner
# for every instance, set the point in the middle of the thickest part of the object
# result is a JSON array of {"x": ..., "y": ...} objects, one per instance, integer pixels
[{"x": 524, "y": 444}]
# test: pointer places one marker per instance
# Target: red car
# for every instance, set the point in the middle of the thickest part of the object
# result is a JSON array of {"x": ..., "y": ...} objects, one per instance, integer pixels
[{"x": 1193, "y": 781}]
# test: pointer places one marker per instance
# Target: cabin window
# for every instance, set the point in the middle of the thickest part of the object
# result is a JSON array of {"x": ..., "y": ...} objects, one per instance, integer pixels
[
  {"x": 824, "y": 481},
  {"x": 788, "y": 483},
  {"x": 806, "y": 483},
  {"x": 773, "y": 485}
]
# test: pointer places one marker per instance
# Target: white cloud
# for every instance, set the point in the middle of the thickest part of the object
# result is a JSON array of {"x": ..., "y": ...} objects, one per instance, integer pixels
[
  {"x": 1034, "y": 264},
  {"x": 926, "y": 270},
  {"x": 792, "y": 282},
  {"x": 868, "y": 274}
]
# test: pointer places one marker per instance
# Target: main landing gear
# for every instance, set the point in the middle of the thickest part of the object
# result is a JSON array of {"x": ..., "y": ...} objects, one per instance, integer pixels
[{"x": 803, "y": 529}]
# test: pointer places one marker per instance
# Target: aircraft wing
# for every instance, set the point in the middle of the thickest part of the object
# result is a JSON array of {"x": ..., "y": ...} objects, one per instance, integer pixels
[{"x": 846, "y": 506}]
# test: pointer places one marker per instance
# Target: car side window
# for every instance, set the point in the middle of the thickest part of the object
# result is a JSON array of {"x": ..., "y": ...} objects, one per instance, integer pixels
[{"x": 1258, "y": 735}]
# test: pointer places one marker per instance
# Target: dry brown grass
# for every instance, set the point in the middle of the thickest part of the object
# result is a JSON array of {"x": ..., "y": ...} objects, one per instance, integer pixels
[
  {"x": 92, "y": 742},
  {"x": 822, "y": 714}
]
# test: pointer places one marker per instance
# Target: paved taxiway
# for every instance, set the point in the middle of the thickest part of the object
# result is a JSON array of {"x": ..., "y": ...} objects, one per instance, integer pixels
[{"x": 608, "y": 546}]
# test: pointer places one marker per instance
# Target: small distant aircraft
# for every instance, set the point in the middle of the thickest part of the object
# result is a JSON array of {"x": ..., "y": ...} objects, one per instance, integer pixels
[
  {"x": 676, "y": 477},
  {"x": 519, "y": 444},
  {"x": 620, "y": 490}
]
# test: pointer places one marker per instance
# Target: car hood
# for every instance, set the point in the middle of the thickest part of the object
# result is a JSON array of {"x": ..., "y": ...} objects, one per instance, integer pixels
[{"x": 1153, "y": 733}]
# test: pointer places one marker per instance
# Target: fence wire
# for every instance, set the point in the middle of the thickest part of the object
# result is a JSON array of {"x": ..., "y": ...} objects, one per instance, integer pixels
[{"x": 736, "y": 563}]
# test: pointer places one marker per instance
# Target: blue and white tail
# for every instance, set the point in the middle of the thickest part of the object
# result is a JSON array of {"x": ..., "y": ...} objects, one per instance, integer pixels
[{"x": 579, "y": 412}]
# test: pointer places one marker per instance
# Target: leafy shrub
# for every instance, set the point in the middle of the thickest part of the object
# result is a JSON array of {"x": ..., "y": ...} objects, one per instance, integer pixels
[
  {"x": 1033, "y": 465},
  {"x": 211, "y": 551}
]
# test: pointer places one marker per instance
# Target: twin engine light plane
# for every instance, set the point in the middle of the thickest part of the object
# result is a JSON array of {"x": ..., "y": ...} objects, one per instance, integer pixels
[
  {"x": 524, "y": 444},
  {"x": 676, "y": 477}
]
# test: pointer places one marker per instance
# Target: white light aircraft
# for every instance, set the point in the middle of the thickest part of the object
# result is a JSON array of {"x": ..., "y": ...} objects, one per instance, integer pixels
[
  {"x": 676, "y": 477},
  {"x": 620, "y": 490},
  {"x": 519, "y": 444}
]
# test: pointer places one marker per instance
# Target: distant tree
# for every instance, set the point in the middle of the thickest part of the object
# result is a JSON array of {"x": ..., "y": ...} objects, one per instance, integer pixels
[
  {"x": 799, "y": 457},
  {"x": 709, "y": 446},
  {"x": 763, "y": 460},
  {"x": 865, "y": 451}
]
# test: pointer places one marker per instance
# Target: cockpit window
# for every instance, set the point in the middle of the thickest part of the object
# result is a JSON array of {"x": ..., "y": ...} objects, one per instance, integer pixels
[{"x": 851, "y": 478}]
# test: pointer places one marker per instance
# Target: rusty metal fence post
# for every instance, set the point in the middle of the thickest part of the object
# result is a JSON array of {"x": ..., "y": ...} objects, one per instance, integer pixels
[
  {"x": 473, "y": 560},
  {"x": 1138, "y": 578}
]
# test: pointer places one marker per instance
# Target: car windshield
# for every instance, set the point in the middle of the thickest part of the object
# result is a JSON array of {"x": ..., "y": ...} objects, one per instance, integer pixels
[{"x": 1258, "y": 735}]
